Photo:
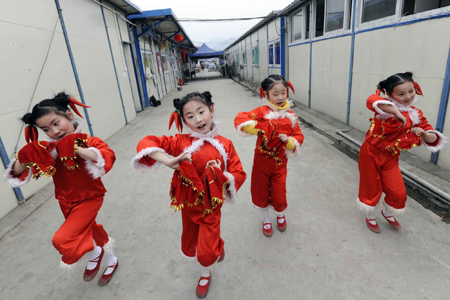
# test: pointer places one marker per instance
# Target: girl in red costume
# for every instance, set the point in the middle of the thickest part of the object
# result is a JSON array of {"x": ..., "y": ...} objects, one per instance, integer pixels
[
  {"x": 279, "y": 136},
  {"x": 207, "y": 171},
  {"x": 76, "y": 161},
  {"x": 396, "y": 126}
]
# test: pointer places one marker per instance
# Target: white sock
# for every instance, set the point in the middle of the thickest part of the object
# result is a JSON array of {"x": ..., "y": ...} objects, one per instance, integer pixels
[
  {"x": 387, "y": 213},
  {"x": 111, "y": 260},
  {"x": 204, "y": 272},
  {"x": 266, "y": 215},
  {"x": 280, "y": 215},
  {"x": 91, "y": 255},
  {"x": 371, "y": 217}
]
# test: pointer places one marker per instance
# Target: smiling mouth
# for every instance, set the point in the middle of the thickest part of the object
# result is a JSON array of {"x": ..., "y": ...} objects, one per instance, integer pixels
[
  {"x": 201, "y": 127},
  {"x": 61, "y": 136}
]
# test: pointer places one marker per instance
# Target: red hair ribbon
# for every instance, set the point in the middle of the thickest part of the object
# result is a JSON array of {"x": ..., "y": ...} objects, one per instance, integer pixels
[
  {"x": 261, "y": 92},
  {"x": 417, "y": 88},
  {"x": 73, "y": 102},
  {"x": 31, "y": 134},
  {"x": 289, "y": 84},
  {"x": 380, "y": 90},
  {"x": 175, "y": 116}
]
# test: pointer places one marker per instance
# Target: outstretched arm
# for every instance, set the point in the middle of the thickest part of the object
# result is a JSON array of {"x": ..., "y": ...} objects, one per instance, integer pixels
[
  {"x": 173, "y": 162},
  {"x": 393, "y": 110}
]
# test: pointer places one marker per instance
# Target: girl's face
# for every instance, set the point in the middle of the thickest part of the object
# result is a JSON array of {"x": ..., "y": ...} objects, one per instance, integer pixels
[
  {"x": 198, "y": 116},
  {"x": 56, "y": 126},
  {"x": 404, "y": 93},
  {"x": 277, "y": 94}
]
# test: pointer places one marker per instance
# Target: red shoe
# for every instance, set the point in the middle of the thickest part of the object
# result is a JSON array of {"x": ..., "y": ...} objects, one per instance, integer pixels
[
  {"x": 267, "y": 232},
  {"x": 222, "y": 255},
  {"x": 394, "y": 223},
  {"x": 281, "y": 226},
  {"x": 90, "y": 274},
  {"x": 372, "y": 227},
  {"x": 202, "y": 290},
  {"x": 107, "y": 277}
]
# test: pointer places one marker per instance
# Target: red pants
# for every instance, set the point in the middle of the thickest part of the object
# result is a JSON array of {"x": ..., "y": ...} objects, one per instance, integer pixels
[
  {"x": 201, "y": 233},
  {"x": 75, "y": 236},
  {"x": 379, "y": 172},
  {"x": 269, "y": 183}
]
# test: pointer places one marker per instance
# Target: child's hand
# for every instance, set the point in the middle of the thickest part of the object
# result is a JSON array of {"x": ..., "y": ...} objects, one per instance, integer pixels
[
  {"x": 213, "y": 163},
  {"x": 399, "y": 117},
  {"x": 417, "y": 130},
  {"x": 174, "y": 163},
  {"x": 284, "y": 138}
]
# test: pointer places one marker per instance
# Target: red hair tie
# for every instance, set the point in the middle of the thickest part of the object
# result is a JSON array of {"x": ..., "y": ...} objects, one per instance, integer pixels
[
  {"x": 417, "y": 88},
  {"x": 380, "y": 90},
  {"x": 175, "y": 116},
  {"x": 31, "y": 134},
  {"x": 73, "y": 102},
  {"x": 289, "y": 84},
  {"x": 261, "y": 92}
]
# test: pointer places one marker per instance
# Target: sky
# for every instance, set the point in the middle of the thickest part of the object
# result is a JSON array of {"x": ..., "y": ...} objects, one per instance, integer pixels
[{"x": 217, "y": 35}]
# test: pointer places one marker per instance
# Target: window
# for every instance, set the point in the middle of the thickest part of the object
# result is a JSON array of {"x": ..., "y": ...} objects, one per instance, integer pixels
[
  {"x": 275, "y": 53},
  {"x": 164, "y": 63},
  {"x": 271, "y": 54},
  {"x": 244, "y": 58},
  {"x": 335, "y": 15},
  {"x": 255, "y": 56},
  {"x": 320, "y": 11},
  {"x": 416, "y": 6},
  {"x": 237, "y": 59},
  {"x": 377, "y": 9},
  {"x": 297, "y": 26}
]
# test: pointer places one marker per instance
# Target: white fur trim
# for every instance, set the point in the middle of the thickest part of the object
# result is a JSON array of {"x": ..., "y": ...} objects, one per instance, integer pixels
[
  {"x": 402, "y": 107},
  {"x": 214, "y": 131},
  {"x": 142, "y": 167},
  {"x": 54, "y": 153},
  {"x": 97, "y": 169},
  {"x": 441, "y": 143},
  {"x": 189, "y": 259},
  {"x": 364, "y": 207},
  {"x": 414, "y": 116},
  {"x": 218, "y": 145},
  {"x": 281, "y": 114},
  {"x": 108, "y": 247},
  {"x": 195, "y": 146},
  {"x": 381, "y": 113},
  {"x": 242, "y": 125},
  {"x": 394, "y": 211},
  {"x": 231, "y": 191},
  {"x": 67, "y": 267},
  {"x": 295, "y": 152},
  {"x": 12, "y": 181}
]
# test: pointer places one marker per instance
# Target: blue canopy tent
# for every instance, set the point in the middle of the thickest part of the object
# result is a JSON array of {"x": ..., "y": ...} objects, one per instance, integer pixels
[{"x": 205, "y": 52}]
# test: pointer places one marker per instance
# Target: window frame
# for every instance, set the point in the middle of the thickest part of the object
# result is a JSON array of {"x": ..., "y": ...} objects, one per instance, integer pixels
[
  {"x": 253, "y": 56},
  {"x": 273, "y": 43}
]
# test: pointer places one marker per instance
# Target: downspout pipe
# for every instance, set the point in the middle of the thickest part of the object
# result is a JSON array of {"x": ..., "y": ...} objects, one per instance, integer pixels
[{"x": 74, "y": 67}]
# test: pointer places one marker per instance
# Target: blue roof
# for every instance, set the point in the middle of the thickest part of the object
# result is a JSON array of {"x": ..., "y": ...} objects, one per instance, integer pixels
[{"x": 205, "y": 52}]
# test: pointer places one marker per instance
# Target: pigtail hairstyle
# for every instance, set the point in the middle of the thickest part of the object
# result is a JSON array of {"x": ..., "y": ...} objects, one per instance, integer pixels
[
  {"x": 177, "y": 115},
  {"x": 58, "y": 104},
  {"x": 388, "y": 85},
  {"x": 270, "y": 81}
]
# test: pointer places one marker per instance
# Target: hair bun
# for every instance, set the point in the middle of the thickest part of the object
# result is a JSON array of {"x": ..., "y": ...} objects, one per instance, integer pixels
[
  {"x": 176, "y": 103},
  {"x": 408, "y": 74},
  {"x": 28, "y": 118},
  {"x": 62, "y": 99},
  {"x": 382, "y": 84},
  {"x": 207, "y": 95}
]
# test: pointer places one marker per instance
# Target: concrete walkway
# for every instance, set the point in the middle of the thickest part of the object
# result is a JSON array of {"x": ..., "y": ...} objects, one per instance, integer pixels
[{"x": 326, "y": 253}]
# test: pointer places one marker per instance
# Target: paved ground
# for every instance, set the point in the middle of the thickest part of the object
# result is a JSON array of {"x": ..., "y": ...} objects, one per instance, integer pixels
[{"x": 327, "y": 251}]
